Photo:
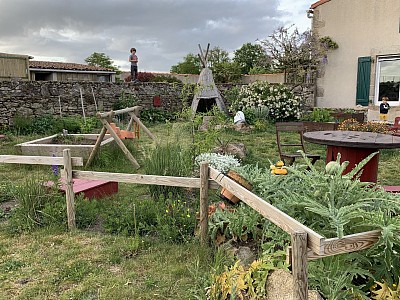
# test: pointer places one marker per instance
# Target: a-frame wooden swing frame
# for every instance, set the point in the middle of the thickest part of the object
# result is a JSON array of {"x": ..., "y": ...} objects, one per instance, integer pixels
[{"x": 134, "y": 121}]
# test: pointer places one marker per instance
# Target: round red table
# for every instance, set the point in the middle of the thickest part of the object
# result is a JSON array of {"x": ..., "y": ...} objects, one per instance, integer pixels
[{"x": 354, "y": 146}]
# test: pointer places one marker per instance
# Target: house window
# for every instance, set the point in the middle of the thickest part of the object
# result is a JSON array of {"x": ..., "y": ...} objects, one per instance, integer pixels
[{"x": 388, "y": 79}]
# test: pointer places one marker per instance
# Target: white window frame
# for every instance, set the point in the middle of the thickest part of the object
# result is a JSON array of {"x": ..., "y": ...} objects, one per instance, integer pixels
[{"x": 379, "y": 59}]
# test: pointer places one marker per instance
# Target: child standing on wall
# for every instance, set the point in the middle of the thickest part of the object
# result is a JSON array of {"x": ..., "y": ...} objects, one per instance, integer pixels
[{"x": 384, "y": 109}]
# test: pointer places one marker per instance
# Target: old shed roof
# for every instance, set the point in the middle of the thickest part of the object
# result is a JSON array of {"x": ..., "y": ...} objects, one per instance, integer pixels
[{"x": 65, "y": 66}]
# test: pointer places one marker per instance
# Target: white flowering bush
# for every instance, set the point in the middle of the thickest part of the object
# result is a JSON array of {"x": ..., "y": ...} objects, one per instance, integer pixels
[
  {"x": 221, "y": 162},
  {"x": 277, "y": 99}
]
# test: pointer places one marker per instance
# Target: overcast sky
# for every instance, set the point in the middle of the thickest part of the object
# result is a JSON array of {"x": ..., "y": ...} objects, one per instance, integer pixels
[{"x": 162, "y": 31}]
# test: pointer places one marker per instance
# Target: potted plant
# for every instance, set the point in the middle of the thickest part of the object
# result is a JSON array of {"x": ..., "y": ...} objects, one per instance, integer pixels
[{"x": 225, "y": 164}]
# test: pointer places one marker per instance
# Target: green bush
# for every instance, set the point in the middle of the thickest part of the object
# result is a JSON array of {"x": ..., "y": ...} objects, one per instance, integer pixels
[
  {"x": 124, "y": 101},
  {"x": 153, "y": 115},
  {"x": 319, "y": 115}
]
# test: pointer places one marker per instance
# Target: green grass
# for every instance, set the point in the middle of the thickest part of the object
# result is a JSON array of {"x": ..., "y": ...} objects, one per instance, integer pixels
[{"x": 81, "y": 265}]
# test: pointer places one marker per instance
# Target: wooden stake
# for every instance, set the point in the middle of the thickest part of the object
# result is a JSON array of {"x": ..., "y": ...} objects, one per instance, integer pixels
[
  {"x": 299, "y": 266},
  {"x": 96, "y": 146},
  {"x": 69, "y": 191},
  {"x": 204, "y": 203},
  {"x": 137, "y": 120},
  {"x": 120, "y": 143}
]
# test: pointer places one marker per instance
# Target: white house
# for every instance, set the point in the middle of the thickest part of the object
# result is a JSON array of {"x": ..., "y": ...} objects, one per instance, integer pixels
[{"x": 366, "y": 66}]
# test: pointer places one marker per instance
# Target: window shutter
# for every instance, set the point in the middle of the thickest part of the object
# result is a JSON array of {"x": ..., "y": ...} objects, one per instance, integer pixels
[{"x": 363, "y": 80}]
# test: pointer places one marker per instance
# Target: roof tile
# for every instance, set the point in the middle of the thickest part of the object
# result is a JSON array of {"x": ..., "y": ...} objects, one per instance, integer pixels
[
  {"x": 318, "y": 3},
  {"x": 64, "y": 66}
]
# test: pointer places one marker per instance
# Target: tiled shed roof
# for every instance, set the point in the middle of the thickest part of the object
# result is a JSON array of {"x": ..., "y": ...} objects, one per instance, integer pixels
[
  {"x": 65, "y": 66},
  {"x": 318, "y": 3}
]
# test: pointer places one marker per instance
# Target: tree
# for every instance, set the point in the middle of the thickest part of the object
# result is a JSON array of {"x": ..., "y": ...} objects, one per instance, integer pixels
[
  {"x": 217, "y": 56},
  {"x": 296, "y": 53},
  {"x": 252, "y": 56},
  {"x": 225, "y": 72},
  {"x": 189, "y": 65},
  {"x": 101, "y": 60}
]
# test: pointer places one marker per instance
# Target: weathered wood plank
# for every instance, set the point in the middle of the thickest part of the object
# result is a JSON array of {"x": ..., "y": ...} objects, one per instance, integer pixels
[
  {"x": 349, "y": 243},
  {"x": 69, "y": 190},
  {"x": 300, "y": 266},
  {"x": 118, "y": 112},
  {"x": 120, "y": 143},
  {"x": 145, "y": 129},
  {"x": 204, "y": 203},
  {"x": 142, "y": 179},
  {"x": 38, "y": 160},
  {"x": 96, "y": 146},
  {"x": 276, "y": 216}
]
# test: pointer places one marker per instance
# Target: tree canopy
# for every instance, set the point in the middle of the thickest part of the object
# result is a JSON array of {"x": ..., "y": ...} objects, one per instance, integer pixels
[
  {"x": 100, "y": 60},
  {"x": 190, "y": 65},
  {"x": 252, "y": 56}
]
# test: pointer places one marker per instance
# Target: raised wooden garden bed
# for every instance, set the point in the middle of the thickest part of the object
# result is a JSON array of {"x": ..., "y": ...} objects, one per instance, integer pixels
[{"x": 81, "y": 145}]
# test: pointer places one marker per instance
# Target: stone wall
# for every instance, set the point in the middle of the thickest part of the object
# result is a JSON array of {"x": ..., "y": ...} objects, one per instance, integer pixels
[{"x": 38, "y": 98}]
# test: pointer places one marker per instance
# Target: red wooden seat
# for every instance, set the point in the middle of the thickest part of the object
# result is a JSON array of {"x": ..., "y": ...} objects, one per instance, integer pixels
[{"x": 396, "y": 126}]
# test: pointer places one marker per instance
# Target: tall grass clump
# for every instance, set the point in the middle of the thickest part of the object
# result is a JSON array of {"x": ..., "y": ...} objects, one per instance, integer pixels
[
  {"x": 32, "y": 197},
  {"x": 167, "y": 159}
]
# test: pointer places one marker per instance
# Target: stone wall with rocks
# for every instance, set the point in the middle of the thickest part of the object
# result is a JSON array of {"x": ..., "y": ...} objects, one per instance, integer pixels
[{"x": 38, "y": 98}]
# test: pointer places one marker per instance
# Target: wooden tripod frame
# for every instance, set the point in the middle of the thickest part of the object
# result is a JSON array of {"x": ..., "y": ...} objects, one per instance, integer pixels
[{"x": 105, "y": 119}]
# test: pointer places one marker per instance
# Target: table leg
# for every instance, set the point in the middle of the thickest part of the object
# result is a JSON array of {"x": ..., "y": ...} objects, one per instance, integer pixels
[{"x": 355, "y": 156}]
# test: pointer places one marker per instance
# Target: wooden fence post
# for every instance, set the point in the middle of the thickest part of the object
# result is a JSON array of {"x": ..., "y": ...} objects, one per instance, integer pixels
[
  {"x": 204, "y": 203},
  {"x": 299, "y": 265},
  {"x": 69, "y": 191}
]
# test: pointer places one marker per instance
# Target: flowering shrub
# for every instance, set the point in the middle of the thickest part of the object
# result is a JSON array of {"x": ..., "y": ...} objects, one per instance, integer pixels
[
  {"x": 354, "y": 125},
  {"x": 277, "y": 99},
  {"x": 218, "y": 161}
]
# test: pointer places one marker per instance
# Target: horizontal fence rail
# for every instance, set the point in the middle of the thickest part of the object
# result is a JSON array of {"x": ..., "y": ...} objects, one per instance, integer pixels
[
  {"x": 38, "y": 160},
  {"x": 143, "y": 179}
]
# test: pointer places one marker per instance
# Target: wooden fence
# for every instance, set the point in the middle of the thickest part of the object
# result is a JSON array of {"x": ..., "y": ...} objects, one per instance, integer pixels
[{"x": 306, "y": 243}]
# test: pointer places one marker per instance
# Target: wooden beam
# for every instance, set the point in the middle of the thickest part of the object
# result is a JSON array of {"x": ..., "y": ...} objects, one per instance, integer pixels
[
  {"x": 204, "y": 203},
  {"x": 69, "y": 190},
  {"x": 38, "y": 160},
  {"x": 118, "y": 112},
  {"x": 350, "y": 243},
  {"x": 273, "y": 214},
  {"x": 145, "y": 129},
  {"x": 96, "y": 146},
  {"x": 142, "y": 179},
  {"x": 300, "y": 266},
  {"x": 120, "y": 143}
]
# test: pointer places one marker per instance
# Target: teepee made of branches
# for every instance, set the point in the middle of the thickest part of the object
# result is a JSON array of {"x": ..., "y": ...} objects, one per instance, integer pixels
[{"x": 206, "y": 90}]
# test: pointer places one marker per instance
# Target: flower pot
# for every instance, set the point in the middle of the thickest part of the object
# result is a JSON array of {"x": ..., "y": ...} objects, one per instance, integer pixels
[{"x": 225, "y": 194}]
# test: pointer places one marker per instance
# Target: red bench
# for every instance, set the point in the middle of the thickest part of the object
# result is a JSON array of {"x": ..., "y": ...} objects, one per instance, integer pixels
[
  {"x": 91, "y": 188},
  {"x": 392, "y": 188}
]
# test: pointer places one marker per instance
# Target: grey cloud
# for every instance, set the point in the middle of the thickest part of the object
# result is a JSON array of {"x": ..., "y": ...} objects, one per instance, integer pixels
[{"x": 163, "y": 31}]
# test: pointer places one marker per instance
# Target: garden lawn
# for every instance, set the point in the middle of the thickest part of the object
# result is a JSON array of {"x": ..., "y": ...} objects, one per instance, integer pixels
[{"x": 82, "y": 265}]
